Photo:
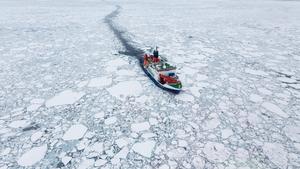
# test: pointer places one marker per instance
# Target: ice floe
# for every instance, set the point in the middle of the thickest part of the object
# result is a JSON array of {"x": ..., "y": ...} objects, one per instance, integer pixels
[
  {"x": 37, "y": 135},
  {"x": 100, "y": 82},
  {"x": 86, "y": 163},
  {"x": 125, "y": 72},
  {"x": 185, "y": 97},
  {"x": 144, "y": 148},
  {"x": 164, "y": 166},
  {"x": 293, "y": 132},
  {"x": 275, "y": 109},
  {"x": 255, "y": 72},
  {"x": 276, "y": 153},
  {"x": 216, "y": 152},
  {"x": 99, "y": 115},
  {"x": 5, "y": 151},
  {"x": 198, "y": 162},
  {"x": 82, "y": 83},
  {"x": 19, "y": 124},
  {"x": 75, "y": 132},
  {"x": 122, "y": 154},
  {"x": 287, "y": 80},
  {"x": 66, "y": 159},
  {"x": 126, "y": 88},
  {"x": 110, "y": 120},
  {"x": 100, "y": 162},
  {"x": 138, "y": 127},
  {"x": 33, "y": 156},
  {"x": 121, "y": 142},
  {"x": 63, "y": 98},
  {"x": 97, "y": 147},
  {"x": 256, "y": 98},
  {"x": 226, "y": 133},
  {"x": 113, "y": 65}
]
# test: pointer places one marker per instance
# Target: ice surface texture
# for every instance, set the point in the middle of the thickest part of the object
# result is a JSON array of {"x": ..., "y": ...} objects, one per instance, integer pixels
[{"x": 69, "y": 99}]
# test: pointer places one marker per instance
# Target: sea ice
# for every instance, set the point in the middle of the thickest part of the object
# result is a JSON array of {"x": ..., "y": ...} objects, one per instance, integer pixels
[
  {"x": 121, "y": 142},
  {"x": 97, "y": 147},
  {"x": 113, "y": 65},
  {"x": 125, "y": 72},
  {"x": 275, "y": 109},
  {"x": 198, "y": 162},
  {"x": 65, "y": 97},
  {"x": 276, "y": 154},
  {"x": 195, "y": 91},
  {"x": 185, "y": 97},
  {"x": 86, "y": 163},
  {"x": 122, "y": 154},
  {"x": 216, "y": 152},
  {"x": 212, "y": 123},
  {"x": 100, "y": 162},
  {"x": 138, "y": 127},
  {"x": 33, "y": 156},
  {"x": 75, "y": 132},
  {"x": 264, "y": 91},
  {"x": 126, "y": 88},
  {"x": 164, "y": 166},
  {"x": 293, "y": 132},
  {"x": 144, "y": 148},
  {"x": 99, "y": 115},
  {"x": 226, "y": 133},
  {"x": 189, "y": 71},
  {"x": 82, "y": 84},
  {"x": 19, "y": 124},
  {"x": 255, "y": 98},
  {"x": 5, "y": 151},
  {"x": 33, "y": 107},
  {"x": 255, "y": 72},
  {"x": 37, "y": 135},
  {"x": 287, "y": 80},
  {"x": 66, "y": 159},
  {"x": 110, "y": 120},
  {"x": 100, "y": 82},
  {"x": 153, "y": 121}
]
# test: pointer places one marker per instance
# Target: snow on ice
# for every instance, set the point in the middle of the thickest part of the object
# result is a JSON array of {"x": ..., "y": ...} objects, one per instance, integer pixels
[
  {"x": 144, "y": 148},
  {"x": 63, "y": 98},
  {"x": 72, "y": 95},
  {"x": 138, "y": 127},
  {"x": 216, "y": 152},
  {"x": 33, "y": 156},
  {"x": 75, "y": 132},
  {"x": 124, "y": 89},
  {"x": 100, "y": 82},
  {"x": 275, "y": 109},
  {"x": 277, "y": 154}
]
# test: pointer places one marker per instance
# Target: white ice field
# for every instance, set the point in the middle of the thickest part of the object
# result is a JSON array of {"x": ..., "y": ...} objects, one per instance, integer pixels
[{"x": 69, "y": 99}]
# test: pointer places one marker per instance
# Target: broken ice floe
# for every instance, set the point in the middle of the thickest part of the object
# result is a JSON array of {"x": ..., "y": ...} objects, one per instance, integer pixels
[
  {"x": 100, "y": 82},
  {"x": 216, "y": 152},
  {"x": 144, "y": 148},
  {"x": 113, "y": 65},
  {"x": 110, "y": 120},
  {"x": 63, "y": 98},
  {"x": 138, "y": 127},
  {"x": 33, "y": 156},
  {"x": 275, "y": 109},
  {"x": 19, "y": 124},
  {"x": 126, "y": 88},
  {"x": 276, "y": 153},
  {"x": 75, "y": 132},
  {"x": 255, "y": 72},
  {"x": 35, "y": 136}
]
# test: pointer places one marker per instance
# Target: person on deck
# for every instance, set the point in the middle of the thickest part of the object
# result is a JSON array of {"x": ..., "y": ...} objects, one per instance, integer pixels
[{"x": 156, "y": 54}]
